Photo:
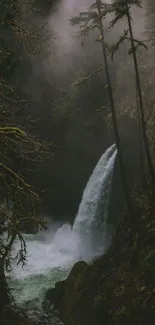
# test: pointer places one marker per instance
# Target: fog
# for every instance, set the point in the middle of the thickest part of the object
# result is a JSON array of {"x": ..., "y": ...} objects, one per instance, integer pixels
[
  {"x": 64, "y": 59},
  {"x": 67, "y": 59},
  {"x": 84, "y": 138}
]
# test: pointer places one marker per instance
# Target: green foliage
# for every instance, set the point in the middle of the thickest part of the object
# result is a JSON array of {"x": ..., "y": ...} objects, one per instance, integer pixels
[
  {"x": 121, "y": 9},
  {"x": 23, "y": 37},
  {"x": 19, "y": 202},
  {"x": 124, "y": 37},
  {"x": 94, "y": 19},
  {"x": 20, "y": 205},
  {"x": 21, "y": 150},
  {"x": 89, "y": 20}
]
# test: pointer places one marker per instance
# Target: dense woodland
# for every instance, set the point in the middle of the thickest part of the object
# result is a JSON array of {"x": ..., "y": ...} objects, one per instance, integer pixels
[{"x": 57, "y": 118}]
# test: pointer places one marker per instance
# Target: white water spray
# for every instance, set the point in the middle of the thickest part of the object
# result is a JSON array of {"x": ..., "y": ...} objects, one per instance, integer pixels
[
  {"x": 51, "y": 258},
  {"x": 91, "y": 220}
]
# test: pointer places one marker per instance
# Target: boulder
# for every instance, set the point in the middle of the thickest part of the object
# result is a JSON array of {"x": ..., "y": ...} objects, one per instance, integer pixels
[
  {"x": 49, "y": 299},
  {"x": 59, "y": 286},
  {"x": 72, "y": 288},
  {"x": 63, "y": 296},
  {"x": 50, "y": 295},
  {"x": 53, "y": 296}
]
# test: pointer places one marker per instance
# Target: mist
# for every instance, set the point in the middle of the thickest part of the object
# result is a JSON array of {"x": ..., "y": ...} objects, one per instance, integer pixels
[
  {"x": 63, "y": 59},
  {"x": 68, "y": 53},
  {"x": 84, "y": 137}
]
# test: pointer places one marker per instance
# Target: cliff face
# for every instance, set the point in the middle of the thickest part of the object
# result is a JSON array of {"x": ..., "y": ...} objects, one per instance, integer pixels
[{"x": 118, "y": 288}]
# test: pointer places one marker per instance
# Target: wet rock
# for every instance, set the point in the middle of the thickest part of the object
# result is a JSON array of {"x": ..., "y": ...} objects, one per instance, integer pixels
[
  {"x": 50, "y": 295},
  {"x": 53, "y": 296},
  {"x": 70, "y": 289},
  {"x": 111, "y": 290},
  {"x": 49, "y": 299},
  {"x": 77, "y": 269},
  {"x": 59, "y": 285},
  {"x": 65, "y": 291}
]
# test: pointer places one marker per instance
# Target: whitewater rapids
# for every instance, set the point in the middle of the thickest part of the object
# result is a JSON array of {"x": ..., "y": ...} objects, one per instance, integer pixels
[{"x": 51, "y": 255}]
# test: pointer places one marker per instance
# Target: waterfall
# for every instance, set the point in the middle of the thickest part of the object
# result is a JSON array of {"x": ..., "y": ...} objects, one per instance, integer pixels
[
  {"x": 91, "y": 219},
  {"x": 52, "y": 254}
]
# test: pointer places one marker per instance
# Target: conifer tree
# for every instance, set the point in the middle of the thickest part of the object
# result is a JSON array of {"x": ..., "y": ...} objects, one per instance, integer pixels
[
  {"x": 122, "y": 9},
  {"x": 93, "y": 18}
]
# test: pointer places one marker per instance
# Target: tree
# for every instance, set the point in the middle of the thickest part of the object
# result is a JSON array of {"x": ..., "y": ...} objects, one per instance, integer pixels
[
  {"x": 21, "y": 151},
  {"x": 148, "y": 75},
  {"x": 89, "y": 20},
  {"x": 17, "y": 36},
  {"x": 121, "y": 9},
  {"x": 19, "y": 202}
]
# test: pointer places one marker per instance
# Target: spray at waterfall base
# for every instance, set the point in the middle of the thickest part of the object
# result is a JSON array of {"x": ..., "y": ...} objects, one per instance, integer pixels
[{"x": 51, "y": 257}]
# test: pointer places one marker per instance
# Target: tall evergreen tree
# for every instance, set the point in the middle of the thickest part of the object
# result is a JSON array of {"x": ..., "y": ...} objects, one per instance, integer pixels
[
  {"x": 121, "y": 9},
  {"x": 87, "y": 21}
]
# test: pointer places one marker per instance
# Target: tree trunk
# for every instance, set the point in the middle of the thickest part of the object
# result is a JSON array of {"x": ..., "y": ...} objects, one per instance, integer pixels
[
  {"x": 4, "y": 297},
  {"x": 141, "y": 107},
  {"x": 141, "y": 153},
  {"x": 114, "y": 118}
]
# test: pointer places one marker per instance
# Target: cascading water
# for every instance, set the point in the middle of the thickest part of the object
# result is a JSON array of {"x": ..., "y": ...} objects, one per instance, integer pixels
[
  {"x": 90, "y": 222},
  {"x": 51, "y": 255}
]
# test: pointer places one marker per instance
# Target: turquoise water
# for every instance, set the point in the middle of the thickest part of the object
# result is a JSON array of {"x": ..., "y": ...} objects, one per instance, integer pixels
[
  {"x": 51, "y": 255},
  {"x": 34, "y": 287}
]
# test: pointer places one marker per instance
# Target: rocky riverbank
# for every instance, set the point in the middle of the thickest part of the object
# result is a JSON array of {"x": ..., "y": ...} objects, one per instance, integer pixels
[{"x": 118, "y": 288}]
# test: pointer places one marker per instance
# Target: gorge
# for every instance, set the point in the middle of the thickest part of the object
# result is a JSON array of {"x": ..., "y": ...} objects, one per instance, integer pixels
[
  {"x": 70, "y": 250},
  {"x": 51, "y": 255}
]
